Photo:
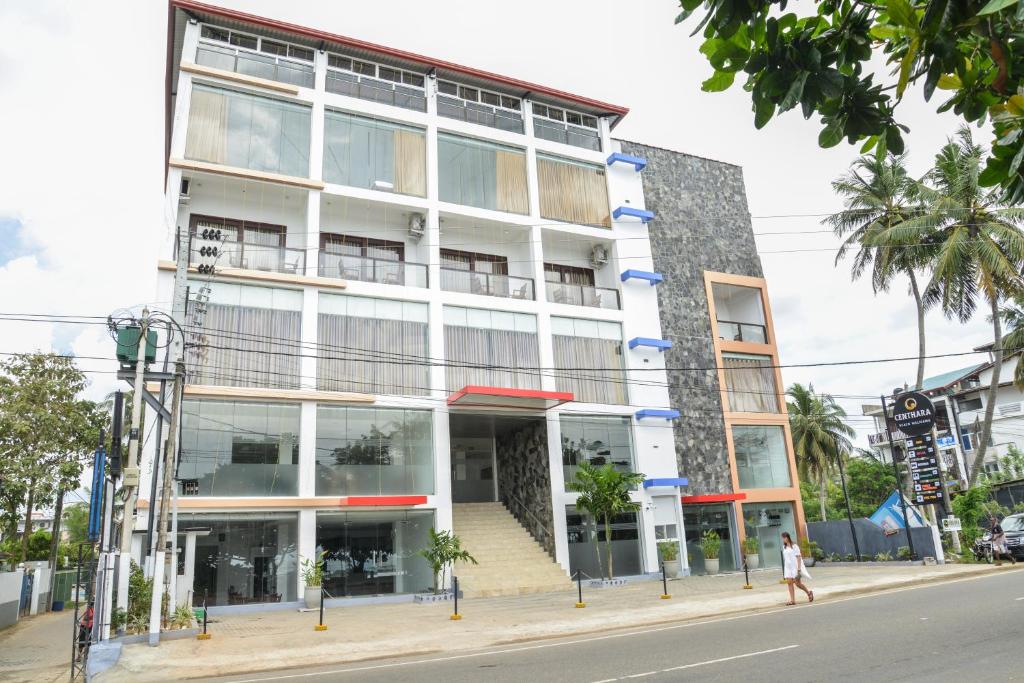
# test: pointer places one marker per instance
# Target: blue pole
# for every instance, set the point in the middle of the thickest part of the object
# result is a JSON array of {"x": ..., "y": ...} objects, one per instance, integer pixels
[{"x": 96, "y": 499}]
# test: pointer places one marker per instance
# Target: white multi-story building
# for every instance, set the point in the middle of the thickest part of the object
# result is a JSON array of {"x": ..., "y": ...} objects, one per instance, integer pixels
[{"x": 421, "y": 295}]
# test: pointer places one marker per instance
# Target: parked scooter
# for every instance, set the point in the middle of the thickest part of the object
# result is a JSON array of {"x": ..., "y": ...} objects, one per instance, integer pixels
[{"x": 982, "y": 548}]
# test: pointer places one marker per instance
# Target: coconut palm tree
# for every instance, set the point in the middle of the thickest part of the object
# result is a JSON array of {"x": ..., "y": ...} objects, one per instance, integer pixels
[
  {"x": 1013, "y": 319},
  {"x": 978, "y": 249},
  {"x": 820, "y": 436},
  {"x": 605, "y": 492},
  {"x": 878, "y": 194}
]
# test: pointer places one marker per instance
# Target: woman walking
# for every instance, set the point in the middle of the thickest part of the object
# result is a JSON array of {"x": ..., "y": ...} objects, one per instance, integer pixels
[{"x": 793, "y": 568}]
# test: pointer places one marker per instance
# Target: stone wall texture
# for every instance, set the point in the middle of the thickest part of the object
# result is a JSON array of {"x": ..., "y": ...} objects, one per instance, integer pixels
[
  {"x": 701, "y": 223},
  {"x": 524, "y": 472}
]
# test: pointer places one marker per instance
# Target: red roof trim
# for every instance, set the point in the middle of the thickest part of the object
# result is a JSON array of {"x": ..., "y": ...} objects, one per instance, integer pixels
[
  {"x": 380, "y": 501},
  {"x": 560, "y": 396},
  {"x": 713, "y": 498},
  {"x": 398, "y": 54}
]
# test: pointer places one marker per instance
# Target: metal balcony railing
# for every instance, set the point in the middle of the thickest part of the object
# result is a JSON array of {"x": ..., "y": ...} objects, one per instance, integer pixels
[
  {"x": 271, "y": 67},
  {"x": 582, "y": 295},
  {"x": 488, "y": 284},
  {"x": 369, "y": 269},
  {"x": 880, "y": 438},
  {"x": 249, "y": 256},
  {"x": 730, "y": 330}
]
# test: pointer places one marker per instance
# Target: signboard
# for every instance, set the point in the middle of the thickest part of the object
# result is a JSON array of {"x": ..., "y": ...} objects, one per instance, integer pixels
[
  {"x": 946, "y": 441},
  {"x": 913, "y": 413},
  {"x": 889, "y": 515},
  {"x": 950, "y": 523},
  {"x": 924, "y": 470}
]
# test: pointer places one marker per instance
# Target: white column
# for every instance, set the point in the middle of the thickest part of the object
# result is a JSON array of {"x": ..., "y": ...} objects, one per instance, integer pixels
[
  {"x": 442, "y": 469},
  {"x": 557, "y": 476},
  {"x": 547, "y": 355},
  {"x": 311, "y": 243},
  {"x": 306, "y": 545},
  {"x": 308, "y": 336},
  {"x": 307, "y": 450}
]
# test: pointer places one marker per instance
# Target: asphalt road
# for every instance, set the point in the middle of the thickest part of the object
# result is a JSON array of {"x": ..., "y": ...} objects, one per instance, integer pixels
[{"x": 966, "y": 630}]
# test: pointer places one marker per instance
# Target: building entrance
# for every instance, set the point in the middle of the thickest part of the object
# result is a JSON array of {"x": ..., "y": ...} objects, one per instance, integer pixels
[{"x": 473, "y": 459}]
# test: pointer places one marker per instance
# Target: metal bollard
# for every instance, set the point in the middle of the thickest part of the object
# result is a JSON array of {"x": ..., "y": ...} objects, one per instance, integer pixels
[
  {"x": 746, "y": 575},
  {"x": 321, "y": 626},
  {"x": 204, "y": 635},
  {"x": 579, "y": 587},
  {"x": 664, "y": 584},
  {"x": 455, "y": 589}
]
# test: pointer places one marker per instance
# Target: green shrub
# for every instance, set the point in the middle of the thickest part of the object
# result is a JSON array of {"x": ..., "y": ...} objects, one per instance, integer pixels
[
  {"x": 903, "y": 552},
  {"x": 710, "y": 544},
  {"x": 866, "y": 558},
  {"x": 750, "y": 545},
  {"x": 669, "y": 550},
  {"x": 834, "y": 557},
  {"x": 816, "y": 552},
  {"x": 883, "y": 557},
  {"x": 850, "y": 557}
]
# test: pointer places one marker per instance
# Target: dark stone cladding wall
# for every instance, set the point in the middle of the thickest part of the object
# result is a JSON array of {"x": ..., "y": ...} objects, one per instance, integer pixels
[
  {"x": 524, "y": 472},
  {"x": 701, "y": 223}
]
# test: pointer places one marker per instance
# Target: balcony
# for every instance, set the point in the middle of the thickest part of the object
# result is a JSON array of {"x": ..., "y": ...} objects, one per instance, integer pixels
[
  {"x": 882, "y": 438},
  {"x": 753, "y": 333},
  {"x": 272, "y": 259},
  {"x": 487, "y": 284},
  {"x": 369, "y": 269},
  {"x": 582, "y": 295},
  {"x": 376, "y": 90},
  {"x": 271, "y": 67}
]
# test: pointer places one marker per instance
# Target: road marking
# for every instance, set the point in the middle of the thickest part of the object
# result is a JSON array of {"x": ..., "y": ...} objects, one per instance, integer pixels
[
  {"x": 704, "y": 663},
  {"x": 1019, "y": 599},
  {"x": 625, "y": 634}
]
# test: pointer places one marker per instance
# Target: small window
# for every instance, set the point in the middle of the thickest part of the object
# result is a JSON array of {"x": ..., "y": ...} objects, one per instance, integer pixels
[
  {"x": 573, "y": 118},
  {"x": 388, "y": 74},
  {"x": 510, "y": 102},
  {"x": 539, "y": 110},
  {"x": 364, "y": 68},
  {"x": 490, "y": 98},
  {"x": 339, "y": 62},
  {"x": 412, "y": 79},
  {"x": 244, "y": 41},
  {"x": 273, "y": 48},
  {"x": 303, "y": 53},
  {"x": 215, "y": 34},
  {"x": 590, "y": 122},
  {"x": 467, "y": 93},
  {"x": 555, "y": 114},
  {"x": 448, "y": 88}
]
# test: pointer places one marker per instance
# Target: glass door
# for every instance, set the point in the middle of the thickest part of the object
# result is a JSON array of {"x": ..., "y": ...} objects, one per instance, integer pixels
[{"x": 698, "y": 519}]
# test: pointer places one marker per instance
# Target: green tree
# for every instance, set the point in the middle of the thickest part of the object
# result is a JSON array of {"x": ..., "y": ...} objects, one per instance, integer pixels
[
  {"x": 852, "y": 62},
  {"x": 869, "y": 483},
  {"x": 979, "y": 250},
  {"x": 970, "y": 506},
  {"x": 819, "y": 436},
  {"x": 76, "y": 523},
  {"x": 445, "y": 549},
  {"x": 1013, "y": 319},
  {"x": 604, "y": 493},
  {"x": 878, "y": 194}
]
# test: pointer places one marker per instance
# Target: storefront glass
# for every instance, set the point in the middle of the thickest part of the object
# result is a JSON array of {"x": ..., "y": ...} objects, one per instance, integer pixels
[
  {"x": 584, "y": 553},
  {"x": 596, "y": 439},
  {"x": 246, "y": 558},
  {"x": 761, "y": 460},
  {"x": 374, "y": 553},
  {"x": 766, "y": 522},
  {"x": 698, "y": 519}
]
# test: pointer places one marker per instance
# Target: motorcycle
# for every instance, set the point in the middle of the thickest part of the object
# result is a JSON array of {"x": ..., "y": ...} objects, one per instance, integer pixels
[{"x": 982, "y": 548}]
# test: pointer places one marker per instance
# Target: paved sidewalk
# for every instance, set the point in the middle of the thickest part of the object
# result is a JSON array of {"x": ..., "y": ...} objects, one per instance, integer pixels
[
  {"x": 274, "y": 640},
  {"x": 37, "y": 648}
]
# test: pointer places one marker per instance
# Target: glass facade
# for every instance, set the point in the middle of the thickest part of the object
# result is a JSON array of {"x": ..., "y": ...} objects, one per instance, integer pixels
[
  {"x": 239, "y": 448},
  {"x": 362, "y": 152},
  {"x": 750, "y": 382},
  {"x": 698, "y": 519},
  {"x": 246, "y": 558},
  {"x": 589, "y": 344},
  {"x": 587, "y": 550},
  {"x": 761, "y": 459},
  {"x": 766, "y": 522},
  {"x": 258, "y": 133},
  {"x": 488, "y": 348},
  {"x": 374, "y": 553},
  {"x": 596, "y": 439},
  {"x": 373, "y": 451},
  {"x": 573, "y": 192},
  {"x": 481, "y": 174}
]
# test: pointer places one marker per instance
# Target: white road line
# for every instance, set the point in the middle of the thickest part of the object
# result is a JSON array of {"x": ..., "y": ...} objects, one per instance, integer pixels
[
  {"x": 1019, "y": 599},
  {"x": 704, "y": 663},
  {"x": 626, "y": 634}
]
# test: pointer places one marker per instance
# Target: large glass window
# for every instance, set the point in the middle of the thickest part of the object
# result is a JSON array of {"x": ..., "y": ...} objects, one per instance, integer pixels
[
  {"x": 246, "y": 337},
  {"x": 740, "y": 313},
  {"x": 750, "y": 382},
  {"x": 363, "y": 152},
  {"x": 246, "y": 558},
  {"x": 372, "y": 345},
  {"x": 587, "y": 551},
  {"x": 373, "y": 451},
  {"x": 481, "y": 174},
  {"x": 374, "y": 553},
  {"x": 698, "y": 519},
  {"x": 573, "y": 192},
  {"x": 596, "y": 439},
  {"x": 589, "y": 344},
  {"x": 766, "y": 522},
  {"x": 239, "y": 449},
  {"x": 761, "y": 460},
  {"x": 490, "y": 348},
  {"x": 258, "y": 133}
]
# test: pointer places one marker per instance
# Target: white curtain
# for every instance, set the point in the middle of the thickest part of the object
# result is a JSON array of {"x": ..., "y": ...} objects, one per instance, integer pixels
[
  {"x": 590, "y": 386},
  {"x": 248, "y": 347},
  {"x": 372, "y": 355},
  {"x": 511, "y": 357},
  {"x": 750, "y": 383}
]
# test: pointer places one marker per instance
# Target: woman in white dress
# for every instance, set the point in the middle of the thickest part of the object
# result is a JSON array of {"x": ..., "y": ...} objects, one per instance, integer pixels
[{"x": 793, "y": 568}]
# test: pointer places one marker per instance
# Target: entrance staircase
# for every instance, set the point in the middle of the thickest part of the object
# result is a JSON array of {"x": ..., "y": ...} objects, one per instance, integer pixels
[{"x": 511, "y": 561}]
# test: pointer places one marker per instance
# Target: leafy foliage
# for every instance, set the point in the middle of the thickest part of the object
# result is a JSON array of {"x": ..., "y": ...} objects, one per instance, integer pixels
[
  {"x": 313, "y": 570},
  {"x": 970, "y": 507},
  {"x": 445, "y": 549},
  {"x": 820, "y": 437},
  {"x": 605, "y": 492},
  {"x": 827, "y": 59},
  {"x": 710, "y": 544}
]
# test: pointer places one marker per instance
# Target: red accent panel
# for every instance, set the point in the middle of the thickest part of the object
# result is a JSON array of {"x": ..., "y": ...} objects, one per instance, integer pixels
[
  {"x": 377, "y": 501},
  {"x": 553, "y": 397},
  {"x": 713, "y": 498}
]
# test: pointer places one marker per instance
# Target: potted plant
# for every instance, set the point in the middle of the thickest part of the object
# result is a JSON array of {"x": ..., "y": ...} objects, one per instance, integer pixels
[
  {"x": 669, "y": 551},
  {"x": 750, "y": 549},
  {"x": 313, "y": 577},
  {"x": 710, "y": 544},
  {"x": 445, "y": 549},
  {"x": 807, "y": 552},
  {"x": 605, "y": 492}
]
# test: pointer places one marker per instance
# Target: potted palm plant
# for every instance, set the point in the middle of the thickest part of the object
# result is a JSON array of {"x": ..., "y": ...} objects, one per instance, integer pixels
[
  {"x": 605, "y": 492},
  {"x": 313, "y": 577},
  {"x": 750, "y": 548},
  {"x": 710, "y": 544},
  {"x": 669, "y": 551},
  {"x": 444, "y": 550}
]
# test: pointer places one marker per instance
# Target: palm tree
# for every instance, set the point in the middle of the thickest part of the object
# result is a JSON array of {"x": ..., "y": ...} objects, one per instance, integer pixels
[
  {"x": 978, "y": 249},
  {"x": 1013, "y": 317},
  {"x": 605, "y": 492},
  {"x": 820, "y": 436},
  {"x": 878, "y": 195}
]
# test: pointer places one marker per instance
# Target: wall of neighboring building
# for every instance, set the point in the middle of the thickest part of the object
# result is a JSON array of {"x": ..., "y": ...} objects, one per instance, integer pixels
[{"x": 10, "y": 596}]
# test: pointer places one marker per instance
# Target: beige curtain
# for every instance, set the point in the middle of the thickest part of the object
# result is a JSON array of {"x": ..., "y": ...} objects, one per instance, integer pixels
[
  {"x": 751, "y": 385},
  {"x": 491, "y": 358},
  {"x": 511, "y": 182},
  {"x": 590, "y": 386},
  {"x": 372, "y": 355},
  {"x": 410, "y": 163},
  {"x": 573, "y": 193},
  {"x": 207, "y": 138}
]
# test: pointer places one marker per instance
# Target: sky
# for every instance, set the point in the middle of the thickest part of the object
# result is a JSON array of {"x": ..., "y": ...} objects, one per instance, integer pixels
[{"x": 81, "y": 143}]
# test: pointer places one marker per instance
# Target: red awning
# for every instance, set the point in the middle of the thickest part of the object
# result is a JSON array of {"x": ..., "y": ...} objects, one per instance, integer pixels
[
  {"x": 375, "y": 501},
  {"x": 498, "y": 397},
  {"x": 714, "y": 498}
]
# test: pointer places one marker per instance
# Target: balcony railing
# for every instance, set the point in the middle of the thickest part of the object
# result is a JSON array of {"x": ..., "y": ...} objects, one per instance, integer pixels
[
  {"x": 488, "y": 284},
  {"x": 880, "y": 438},
  {"x": 731, "y": 330},
  {"x": 582, "y": 295},
  {"x": 241, "y": 61},
  {"x": 369, "y": 269},
  {"x": 250, "y": 257},
  {"x": 375, "y": 90}
]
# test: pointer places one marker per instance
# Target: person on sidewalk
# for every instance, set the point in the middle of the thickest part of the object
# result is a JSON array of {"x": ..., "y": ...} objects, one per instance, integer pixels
[
  {"x": 999, "y": 547},
  {"x": 793, "y": 569}
]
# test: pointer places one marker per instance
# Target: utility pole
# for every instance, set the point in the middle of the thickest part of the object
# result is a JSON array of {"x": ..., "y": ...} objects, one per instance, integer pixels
[
  {"x": 896, "y": 471},
  {"x": 130, "y": 480},
  {"x": 849, "y": 511}
]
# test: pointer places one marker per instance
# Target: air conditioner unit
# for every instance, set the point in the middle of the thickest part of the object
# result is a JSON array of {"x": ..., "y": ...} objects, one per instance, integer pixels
[
  {"x": 417, "y": 225},
  {"x": 598, "y": 256}
]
